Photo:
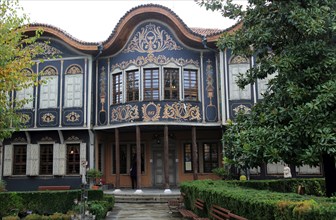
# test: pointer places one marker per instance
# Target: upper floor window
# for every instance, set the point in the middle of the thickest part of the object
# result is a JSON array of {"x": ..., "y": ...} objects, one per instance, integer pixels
[
  {"x": 49, "y": 88},
  {"x": 20, "y": 159},
  {"x": 238, "y": 64},
  {"x": 171, "y": 83},
  {"x": 151, "y": 84},
  {"x": 26, "y": 94},
  {"x": 132, "y": 80},
  {"x": 73, "y": 86},
  {"x": 117, "y": 88},
  {"x": 190, "y": 84}
]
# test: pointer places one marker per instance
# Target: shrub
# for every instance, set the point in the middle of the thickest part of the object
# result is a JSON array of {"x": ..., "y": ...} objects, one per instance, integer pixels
[
  {"x": 98, "y": 208},
  {"x": 266, "y": 205},
  {"x": 2, "y": 186}
]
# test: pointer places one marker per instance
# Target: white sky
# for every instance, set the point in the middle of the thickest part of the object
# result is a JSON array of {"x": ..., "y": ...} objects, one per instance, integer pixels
[{"x": 93, "y": 20}]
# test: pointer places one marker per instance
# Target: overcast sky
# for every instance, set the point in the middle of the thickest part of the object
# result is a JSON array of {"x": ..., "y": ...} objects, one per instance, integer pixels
[{"x": 93, "y": 21}]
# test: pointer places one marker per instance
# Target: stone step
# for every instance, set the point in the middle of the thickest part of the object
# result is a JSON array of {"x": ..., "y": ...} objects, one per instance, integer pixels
[{"x": 144, "y": 196}]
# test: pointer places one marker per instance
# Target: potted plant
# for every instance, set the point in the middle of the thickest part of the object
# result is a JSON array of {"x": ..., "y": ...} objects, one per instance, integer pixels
[{"x": 94, "y": 176}]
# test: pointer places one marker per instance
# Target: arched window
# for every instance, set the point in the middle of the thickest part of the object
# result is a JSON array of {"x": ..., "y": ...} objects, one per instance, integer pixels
[
  {"x": 49, "y": 88},
  {"x": 237, "y": 65},
  {"x": 73, "y": 87},
  {"x": 26, "y": 93}
]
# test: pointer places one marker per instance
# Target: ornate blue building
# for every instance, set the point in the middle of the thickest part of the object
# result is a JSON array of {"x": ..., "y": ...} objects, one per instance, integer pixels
[{"x": 156, "y": 92}]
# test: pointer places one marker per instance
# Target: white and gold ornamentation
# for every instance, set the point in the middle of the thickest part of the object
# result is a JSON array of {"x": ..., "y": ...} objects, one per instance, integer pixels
[
  {"x": 72, "y": 117},
  {"x": 151, "y": 112},
  {"x": 158, "y": 60},
  {"x": 125, "y": 113},
  {"x": 183, "y": 111},
  {"x": 151, "y": 39},
  {"x": 48, "y": 117},
  {"x": 25, "y": 118},
  {"x": 242, "y": 108}
]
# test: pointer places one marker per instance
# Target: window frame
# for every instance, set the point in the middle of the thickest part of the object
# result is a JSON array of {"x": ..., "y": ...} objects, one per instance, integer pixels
[
  {"x": 211, "y": 160},
  {"x": 48, "y": 163},
  {"x": 51, "y": 85},
  {"x": 74, "y": 164},
  {"x": 152, "y": 81},
  {"x": 168, "y": 83},
  {"x": 243, "y": 65},
  {"x": 188, "y": 92},
  {"x": 77, "y": 76},
  {"x": 134, "y": 90},
  {"x": 19, "y": 160},
  {"x": 117, "y": 82}
]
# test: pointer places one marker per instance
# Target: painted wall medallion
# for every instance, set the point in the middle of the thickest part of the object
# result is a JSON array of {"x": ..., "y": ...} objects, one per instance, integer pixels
[
  {"x": 25, "y": 118},
  {"x": 72, "y": 117},
  {"x": 48, "y": 117},
  {"x": 124, "y": 113},
  {"x": 241, "y": 108},
  {"x": 181, "y": 111},
  {"x": 151, "y": 112},
  {"x": 150, "y": 39}
]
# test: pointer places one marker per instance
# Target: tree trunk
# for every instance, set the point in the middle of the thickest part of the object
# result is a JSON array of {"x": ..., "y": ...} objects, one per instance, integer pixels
[{"x": 330, "y": 174}]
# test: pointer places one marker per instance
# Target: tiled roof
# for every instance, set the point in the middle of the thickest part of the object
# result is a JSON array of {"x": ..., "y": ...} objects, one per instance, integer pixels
[{"x": 207, "y": 31}]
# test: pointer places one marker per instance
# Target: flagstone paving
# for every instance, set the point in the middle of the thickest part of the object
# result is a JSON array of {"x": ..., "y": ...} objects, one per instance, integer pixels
[{"x": 142, "y": 211}]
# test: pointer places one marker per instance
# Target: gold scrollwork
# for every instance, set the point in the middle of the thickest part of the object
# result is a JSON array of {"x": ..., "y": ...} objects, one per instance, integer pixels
[
  {"x": 151, "y": 111},
  {"x": 25, "y": 118},
  {"x": 183, "y": 111},
  {"x": 151, "y": 39},
  {"x": 48, "y": 117},
  {"x": 158, "y": 60},
  {"x": 72, "y": 117},
  {"x": 242, "y": 108},
  {"x": 125, "y": 113}
]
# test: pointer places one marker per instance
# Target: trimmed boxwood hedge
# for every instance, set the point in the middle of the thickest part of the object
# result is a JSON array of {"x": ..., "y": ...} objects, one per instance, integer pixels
[
  {"x": 44, "y": 202},
  {"x": 258, "y": 204}
]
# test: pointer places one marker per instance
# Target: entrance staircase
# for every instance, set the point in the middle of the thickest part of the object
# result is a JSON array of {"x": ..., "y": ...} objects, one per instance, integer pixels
[{"x": 144, "y": 195}]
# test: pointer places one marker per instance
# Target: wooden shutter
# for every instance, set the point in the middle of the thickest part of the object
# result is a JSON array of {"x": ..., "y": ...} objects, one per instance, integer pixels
[
  {"x": 8, "y": 160},
  {"x": 33, "y": 161},
  {"x": 59, "y": 161}
]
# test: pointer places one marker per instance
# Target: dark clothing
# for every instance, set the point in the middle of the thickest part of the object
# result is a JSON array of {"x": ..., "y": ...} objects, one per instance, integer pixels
[{"x": 133, "y": 174}]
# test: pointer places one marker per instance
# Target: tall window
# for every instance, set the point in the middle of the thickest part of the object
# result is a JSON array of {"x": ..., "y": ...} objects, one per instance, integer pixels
[
  {"x": 210, "y": 157},
  {"x": 20, "y": 160},
  {"x": 132, "y": 85},
  {"x": 238, "y": 65},
  {"x": 73, "y": 87},
  {"x": 171, "y": 83},
  {"x": 127, "y": 153},
  {"x": 49, "y": 89},
  {"x": 188, "y": 158},
  {"x": 117, "y": 88},
  {"x": 46, "y": 159},
  {"x": 190, "y": 85},
  {"x": 26, "y": 94},
  {"x": 151, "y": 84},
  {"x": 73, "y": 162}
]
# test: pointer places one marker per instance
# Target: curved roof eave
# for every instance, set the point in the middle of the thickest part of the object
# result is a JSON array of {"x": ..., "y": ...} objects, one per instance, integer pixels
[
  {"x": 52, "y": 31},
  {"x": 140, "y": 13}
]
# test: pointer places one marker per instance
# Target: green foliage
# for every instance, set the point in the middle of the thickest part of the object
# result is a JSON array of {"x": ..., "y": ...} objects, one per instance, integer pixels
[
  {"x": 294, "y": 41},
  {"x": 220, "y": 171},
  {"x": 266, "y": 205},
  {"x": 312, "y": 186},
  {"x": 98, "y": 208},
  {"x": 2, "y": 186},
  {"x": 17, "y": 51},
  {"x": 95, "y": 195}
]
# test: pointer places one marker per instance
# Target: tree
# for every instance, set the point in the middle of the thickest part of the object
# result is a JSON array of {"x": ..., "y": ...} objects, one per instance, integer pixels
[
  {"x": 296, "y": 120},
  {"x": 16, "y": 55}
]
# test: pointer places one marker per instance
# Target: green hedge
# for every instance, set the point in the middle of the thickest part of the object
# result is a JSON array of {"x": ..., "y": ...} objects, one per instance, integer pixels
[
  {"x": 258, "y": 204},
  {"x": 46, "y": 202},
  {"x": 312, "y": 186}
]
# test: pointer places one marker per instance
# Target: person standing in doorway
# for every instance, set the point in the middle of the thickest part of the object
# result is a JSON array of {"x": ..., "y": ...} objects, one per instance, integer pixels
[{"x": 133, "y": 172}]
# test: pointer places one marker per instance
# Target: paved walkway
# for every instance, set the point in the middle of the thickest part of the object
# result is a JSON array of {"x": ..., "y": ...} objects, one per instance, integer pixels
[{"x": 143, "y": 211}]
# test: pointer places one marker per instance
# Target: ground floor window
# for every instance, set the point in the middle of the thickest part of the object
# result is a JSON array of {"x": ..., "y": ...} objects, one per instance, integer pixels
[
  {"x": 20, "y": 159},
  {"x": 46, "y": 159},
  {"x": 210, "y": 157},
  {"x": 188, "y": 158},
  {"x": 73, "y": 161},
  {"x": 127, "y": 153}
]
